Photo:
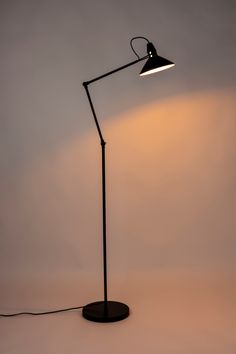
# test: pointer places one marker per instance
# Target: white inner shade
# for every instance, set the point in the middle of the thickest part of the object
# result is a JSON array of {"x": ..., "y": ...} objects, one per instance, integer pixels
[{"x": 152, "y": 71}]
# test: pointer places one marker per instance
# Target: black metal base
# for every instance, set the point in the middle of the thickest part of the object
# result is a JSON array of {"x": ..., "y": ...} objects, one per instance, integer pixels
[{"x": 101, "y": 311}]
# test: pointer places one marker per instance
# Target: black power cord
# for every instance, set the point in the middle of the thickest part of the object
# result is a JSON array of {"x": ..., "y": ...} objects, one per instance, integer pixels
[
  {"x": 40, "y": 313},
  {"x": 131, "y": 44}
]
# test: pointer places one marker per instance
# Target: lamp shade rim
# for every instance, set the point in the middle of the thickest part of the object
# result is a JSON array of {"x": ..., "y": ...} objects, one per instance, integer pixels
[{"x": 155, "y": 64}]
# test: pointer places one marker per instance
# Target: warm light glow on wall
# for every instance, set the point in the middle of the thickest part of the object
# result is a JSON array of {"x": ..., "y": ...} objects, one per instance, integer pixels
[{"x": 171, "y": 187}]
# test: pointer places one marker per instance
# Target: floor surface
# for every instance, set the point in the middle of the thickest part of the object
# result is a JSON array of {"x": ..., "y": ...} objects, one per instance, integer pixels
[{"x": 171, "y": 313}]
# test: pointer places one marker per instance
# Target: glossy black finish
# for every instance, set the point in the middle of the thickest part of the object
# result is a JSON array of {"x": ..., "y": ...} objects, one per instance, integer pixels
[
  {"x": 105, "y": 311},
  {"x": 151, "y": 50}
]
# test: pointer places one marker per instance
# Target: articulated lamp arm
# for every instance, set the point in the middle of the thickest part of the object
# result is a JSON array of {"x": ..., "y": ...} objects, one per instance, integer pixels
[{"x": 87, "y": 83}]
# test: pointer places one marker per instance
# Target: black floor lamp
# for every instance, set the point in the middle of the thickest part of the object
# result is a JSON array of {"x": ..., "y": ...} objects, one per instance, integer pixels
[{"x": 111, "y": 311}]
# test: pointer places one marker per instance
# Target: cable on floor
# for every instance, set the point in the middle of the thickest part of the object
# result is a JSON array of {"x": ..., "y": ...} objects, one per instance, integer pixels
[{"x": 40, "y": 313}]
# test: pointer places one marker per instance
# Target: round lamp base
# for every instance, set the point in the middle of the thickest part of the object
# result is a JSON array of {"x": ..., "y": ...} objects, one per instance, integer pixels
[{"x": 101, "y": 311}]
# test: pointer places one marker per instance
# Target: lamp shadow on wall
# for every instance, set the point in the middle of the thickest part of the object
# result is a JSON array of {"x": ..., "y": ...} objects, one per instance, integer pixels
[{"x": 171, "y": 193}]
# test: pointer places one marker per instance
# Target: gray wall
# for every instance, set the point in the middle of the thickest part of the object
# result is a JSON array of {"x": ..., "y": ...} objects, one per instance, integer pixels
[{"x": 171, "y": 136}]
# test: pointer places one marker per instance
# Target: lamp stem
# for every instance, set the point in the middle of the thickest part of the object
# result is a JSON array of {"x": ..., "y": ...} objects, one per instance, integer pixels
[{"x": 103, "y": 144}]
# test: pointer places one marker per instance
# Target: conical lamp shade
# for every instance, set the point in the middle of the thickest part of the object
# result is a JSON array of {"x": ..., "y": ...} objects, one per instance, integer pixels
[{"x": 155, "y": 64}]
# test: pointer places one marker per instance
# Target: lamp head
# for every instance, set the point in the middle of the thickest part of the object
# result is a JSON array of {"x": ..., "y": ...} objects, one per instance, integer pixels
[{"x": 154, "y": 63}]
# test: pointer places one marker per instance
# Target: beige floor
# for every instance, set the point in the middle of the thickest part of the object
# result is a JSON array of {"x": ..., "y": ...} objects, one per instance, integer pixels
[{"x": 171, "y": 313}]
